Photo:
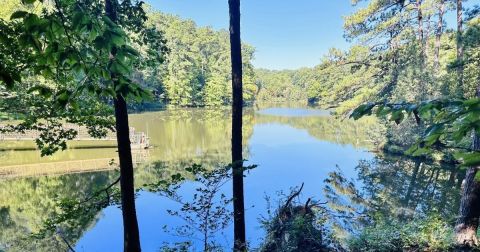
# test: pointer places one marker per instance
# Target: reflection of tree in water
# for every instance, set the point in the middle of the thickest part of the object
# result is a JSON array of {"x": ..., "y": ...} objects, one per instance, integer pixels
[
  {"x": 25, "y": 205},
  {"x": 181, "y": 134},
  {"x": 181, "y": 138},
  {"x": 391, "y": 188},
  {"x": 365, "y": 133}
]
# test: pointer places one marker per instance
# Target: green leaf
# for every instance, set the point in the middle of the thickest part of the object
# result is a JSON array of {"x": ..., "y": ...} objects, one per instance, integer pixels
[
  {"x": 435, "y": 129},
  {"x": 417, "y": 151},
  {"x": 116, "y": 39},
  {"x": 383, "y": 111},
  {"x": 119, "y": 68},
  {"x": 77, "y": 19},
  {"x": 362, "y": 110},
  {"x": 109, "y": 92},
  {"x": 130, "y": 50},
  {"x": 108, "y": 21},
  {"x": 18, "y": 14},
  {"x": 468, "y": 159},
  {"x": 63, "y": 97},
  {"x": 28, "y": 1}
]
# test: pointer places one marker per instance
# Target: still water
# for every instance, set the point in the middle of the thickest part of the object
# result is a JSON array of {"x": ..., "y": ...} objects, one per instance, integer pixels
[{"x": 291, "y": 146}]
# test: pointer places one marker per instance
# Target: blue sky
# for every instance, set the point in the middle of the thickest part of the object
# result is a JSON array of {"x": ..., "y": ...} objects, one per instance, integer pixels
[{"x": 287, "y": 34}]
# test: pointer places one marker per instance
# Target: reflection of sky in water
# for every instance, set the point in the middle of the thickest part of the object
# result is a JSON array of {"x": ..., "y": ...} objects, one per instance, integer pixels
[
  {"x": 294, "y": 112},
  {"x": 286, "y": 156}
]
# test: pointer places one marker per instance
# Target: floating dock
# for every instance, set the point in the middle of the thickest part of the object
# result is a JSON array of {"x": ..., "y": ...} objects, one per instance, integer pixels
[{"x": 138, "y": 140}]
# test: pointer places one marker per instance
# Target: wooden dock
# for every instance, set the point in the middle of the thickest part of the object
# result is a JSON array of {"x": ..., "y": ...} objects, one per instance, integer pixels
[{"x": 139, "y": 140}]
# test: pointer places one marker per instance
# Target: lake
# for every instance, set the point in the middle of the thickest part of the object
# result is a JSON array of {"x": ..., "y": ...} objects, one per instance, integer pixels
[{"x": 290, "y": 146}]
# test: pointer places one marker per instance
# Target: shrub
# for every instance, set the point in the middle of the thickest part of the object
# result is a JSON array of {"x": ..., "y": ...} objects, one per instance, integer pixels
[{"x": 420, "y": 234}]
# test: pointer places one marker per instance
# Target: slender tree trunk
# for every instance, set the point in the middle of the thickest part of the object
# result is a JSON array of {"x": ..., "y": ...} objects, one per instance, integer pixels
[
  {"x": 387, "y": 90},
  {"x": 131, "y": 235},
  {"x": 438, "y": 36},
  {"x": 426, "y": 40},
  {"x": 460, "y": 43},
  {"x": 468, "y": 219},
  {"x": 237, "y": 106},
  {"x": 423, "y": 56},
  {"x": 420, "y": 30},
  {"x": 130, "y": 225}
]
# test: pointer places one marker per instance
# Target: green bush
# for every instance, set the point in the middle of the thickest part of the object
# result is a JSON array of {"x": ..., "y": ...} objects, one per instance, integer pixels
[{"x": 421, "y": 234}]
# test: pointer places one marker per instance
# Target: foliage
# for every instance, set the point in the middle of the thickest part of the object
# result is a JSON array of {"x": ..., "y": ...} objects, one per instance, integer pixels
[
  {"x": 60, "y": 62},
  {"x": 280, "y": 86},
  {"x": 208, "y": 211},
  {"x": 74, "y": 211},
  {"x": 426, "y": 234},
  {"x": 197, "y": 71},
  {"x": 450, "y": 123},
  {"x": 447, "y": 123}
]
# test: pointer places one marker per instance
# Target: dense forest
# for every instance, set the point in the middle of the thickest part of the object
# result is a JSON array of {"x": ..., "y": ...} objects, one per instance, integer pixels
[
  {"x": 410, "y": 82},
  {"x": 196, "y": 73}
]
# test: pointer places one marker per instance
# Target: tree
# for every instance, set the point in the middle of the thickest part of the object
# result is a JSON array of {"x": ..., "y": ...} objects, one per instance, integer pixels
[
  {"x": 83, "y": 50},
  {"x": 460, "y": 42},
  {"x": 131, "y": 236},
  {"x": 469, "y": 214},
  {"x": 237, "y": 111},
  {"x": 197, "y": 71},
  {"x": 438, "y": 35}
]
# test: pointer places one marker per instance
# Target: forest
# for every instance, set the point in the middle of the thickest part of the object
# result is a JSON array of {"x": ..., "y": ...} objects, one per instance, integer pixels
[{"x": 125, "y": 127}]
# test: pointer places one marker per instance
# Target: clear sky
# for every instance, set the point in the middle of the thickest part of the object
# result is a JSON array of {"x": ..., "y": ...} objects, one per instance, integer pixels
[{"x": 287, "y": 34}]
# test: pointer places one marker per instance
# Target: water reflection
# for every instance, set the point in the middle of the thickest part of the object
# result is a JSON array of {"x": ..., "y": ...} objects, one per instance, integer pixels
[
  {"x": 392, "y": 188},
  {"x": 407, "y": 187},
  {"x": 26, "y": 203},
  {"x": 290, "y": 146}
]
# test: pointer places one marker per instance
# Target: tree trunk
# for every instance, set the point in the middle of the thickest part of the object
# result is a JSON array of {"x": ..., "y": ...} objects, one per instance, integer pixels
[
  {"x": 468, "y": 219},
  {"x": 388, "y": 89},
  {"x": 130, "y": 225},
  {"x": 438, "y": 36},
  {"x": 421, "y": 41},
  {"x": 427, "y": 38},
  {"x": 460, "y": 43},
  {"x": 467, "y": 223},
  {"x": 421, "y": 35},
  {"x": 237, "y": 106},
  {"x": 131, "y": 237}
]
